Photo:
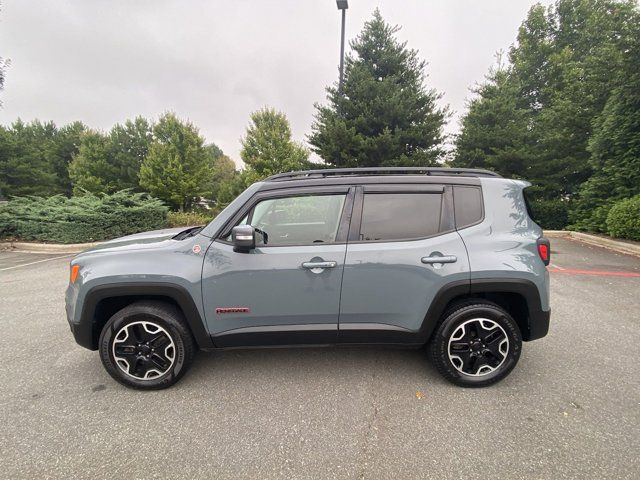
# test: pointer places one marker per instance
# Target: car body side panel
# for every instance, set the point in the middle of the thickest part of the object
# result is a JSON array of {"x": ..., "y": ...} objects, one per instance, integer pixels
[
  {"x": 167, "y": 261},
  {"x": 272, "y": 286},
  {"x": 387, "y": 283},
  {"x": 503, "y": 245}
]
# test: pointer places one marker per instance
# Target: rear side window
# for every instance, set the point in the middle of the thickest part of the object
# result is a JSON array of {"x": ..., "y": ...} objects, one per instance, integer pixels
[
  {"x": 468, "y": 205},
  {"x": 400, "y": 216}
]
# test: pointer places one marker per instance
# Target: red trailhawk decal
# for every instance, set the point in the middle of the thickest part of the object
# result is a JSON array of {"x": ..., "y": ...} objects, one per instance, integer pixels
[{"x": 221, "y": 310}]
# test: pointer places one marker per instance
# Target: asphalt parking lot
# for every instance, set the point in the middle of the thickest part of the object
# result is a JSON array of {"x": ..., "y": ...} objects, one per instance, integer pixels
[{"x": 570, "y": 409}]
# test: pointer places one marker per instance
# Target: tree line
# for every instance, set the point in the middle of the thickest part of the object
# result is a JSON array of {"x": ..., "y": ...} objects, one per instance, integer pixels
[
  {"x": 561, "y": 109},
  {"x": 168, "y": 158}
]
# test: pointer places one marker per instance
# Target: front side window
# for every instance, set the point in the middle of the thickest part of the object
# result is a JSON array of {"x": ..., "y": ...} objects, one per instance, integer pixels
[
  {"x": 400, "y": 216},
  {"x": 302, "y": 220}
]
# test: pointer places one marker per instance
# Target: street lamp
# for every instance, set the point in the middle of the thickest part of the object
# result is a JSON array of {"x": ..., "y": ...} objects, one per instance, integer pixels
[{"x": 342, "y": 5}]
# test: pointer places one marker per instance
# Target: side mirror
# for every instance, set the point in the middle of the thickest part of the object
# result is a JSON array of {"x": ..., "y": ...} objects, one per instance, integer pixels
[{"x": 243, "y": 238}]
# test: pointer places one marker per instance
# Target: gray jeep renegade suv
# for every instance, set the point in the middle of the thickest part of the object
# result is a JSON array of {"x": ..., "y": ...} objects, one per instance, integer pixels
[{"x": 449, "y": 258}]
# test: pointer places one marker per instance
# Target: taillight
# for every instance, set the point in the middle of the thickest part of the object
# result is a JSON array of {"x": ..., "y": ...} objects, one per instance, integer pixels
[{"x": 544, "y": 250}]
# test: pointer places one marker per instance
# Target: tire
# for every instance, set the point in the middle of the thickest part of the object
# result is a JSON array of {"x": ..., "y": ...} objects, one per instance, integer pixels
[
  {"x": 476, "y": 345},
  {"x": 147, "y": 345}
]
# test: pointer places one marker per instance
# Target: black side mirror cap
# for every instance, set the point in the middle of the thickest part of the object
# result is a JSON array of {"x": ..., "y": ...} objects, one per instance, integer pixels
[{"x": 243, "y": 238}]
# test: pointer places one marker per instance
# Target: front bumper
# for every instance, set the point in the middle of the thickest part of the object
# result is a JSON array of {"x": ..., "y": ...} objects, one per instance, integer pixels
[{"x": 82, "y": 331}]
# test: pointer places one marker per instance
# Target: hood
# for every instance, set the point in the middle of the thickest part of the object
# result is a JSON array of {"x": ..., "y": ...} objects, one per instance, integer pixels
[{"x": 137, "y": 241}]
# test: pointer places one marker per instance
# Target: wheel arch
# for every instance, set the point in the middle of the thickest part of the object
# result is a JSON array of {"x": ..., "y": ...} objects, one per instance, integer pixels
[
  {"x": 102, "y": 301},
  {"x": 519, "y": 297}
]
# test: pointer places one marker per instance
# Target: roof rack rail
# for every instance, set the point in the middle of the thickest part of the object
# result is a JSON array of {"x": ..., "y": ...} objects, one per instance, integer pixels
[{"x": 337, "y": 172}]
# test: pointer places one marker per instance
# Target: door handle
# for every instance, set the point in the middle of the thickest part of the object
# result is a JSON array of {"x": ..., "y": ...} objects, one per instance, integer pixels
[
  {"x": 442, "y": 259},
  {"x": 313, "y": 265}
]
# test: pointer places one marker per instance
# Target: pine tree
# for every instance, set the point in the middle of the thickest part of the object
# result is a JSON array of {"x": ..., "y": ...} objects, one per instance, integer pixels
[
  {"x": 614, "y": 148},
  {"x": 495, "y": 132},
  {"x": 129, "y": 145},
  {"x": 25, "y": 166},
  {"x": 540, "y": 119},
  {"x": 91, "y": 169},
  {"x": 384, "y": 115}
]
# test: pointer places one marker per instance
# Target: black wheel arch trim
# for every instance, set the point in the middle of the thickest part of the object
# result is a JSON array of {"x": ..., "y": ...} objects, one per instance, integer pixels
[
  {"x": 86, "y": 331},
  {"x": 537, "y": 321}
]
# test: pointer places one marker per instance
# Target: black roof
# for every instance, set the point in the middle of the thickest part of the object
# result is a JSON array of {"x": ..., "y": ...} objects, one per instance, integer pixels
[{"x": 380, "y": 171}]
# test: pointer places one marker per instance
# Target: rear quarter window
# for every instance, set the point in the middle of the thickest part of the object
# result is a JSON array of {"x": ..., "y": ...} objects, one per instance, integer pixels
[
  {"x": 467, "y": 206},
  {"x": 527, "y": 202}
]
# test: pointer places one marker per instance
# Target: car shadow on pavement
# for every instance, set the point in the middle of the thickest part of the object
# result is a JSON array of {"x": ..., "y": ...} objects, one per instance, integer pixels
[{"x": 313, "y": 364}]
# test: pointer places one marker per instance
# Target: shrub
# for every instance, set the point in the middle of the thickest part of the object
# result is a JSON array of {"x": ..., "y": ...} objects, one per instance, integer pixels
[
  {"x": 550, "y": 214},
  {"x": 80, "y": 219},
  {"x": 623, "y": 220},
  {"x": 590, "y": 218},
  {"x": 189, "y": 219}
]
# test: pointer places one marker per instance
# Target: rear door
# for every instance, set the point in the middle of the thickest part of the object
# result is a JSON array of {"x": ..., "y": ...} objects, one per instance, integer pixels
[{"x": 403, "y": 248}]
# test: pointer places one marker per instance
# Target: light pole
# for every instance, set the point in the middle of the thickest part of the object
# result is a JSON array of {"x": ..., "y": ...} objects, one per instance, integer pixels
[{"x": 342, "y": 5}]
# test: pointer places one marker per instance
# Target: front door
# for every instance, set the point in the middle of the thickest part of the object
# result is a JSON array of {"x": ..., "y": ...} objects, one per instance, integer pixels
[
  {"x": 402, "y": 249},
  {"x": 286, "y": 290}
]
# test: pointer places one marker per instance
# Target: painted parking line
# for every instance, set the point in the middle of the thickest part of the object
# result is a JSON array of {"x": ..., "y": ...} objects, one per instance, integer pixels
[
  {"x": 600, "y": 273},
  {"x": 33, "y": 263}
]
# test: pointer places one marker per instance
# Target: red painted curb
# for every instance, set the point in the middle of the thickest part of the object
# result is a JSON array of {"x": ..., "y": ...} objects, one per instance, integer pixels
[{"x": 573, "y": 271}]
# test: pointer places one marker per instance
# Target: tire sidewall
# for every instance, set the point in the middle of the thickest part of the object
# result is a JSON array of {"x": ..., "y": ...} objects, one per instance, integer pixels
[
  {"x": 454, "y": 320},
  {"x": 122, "y": 319}
]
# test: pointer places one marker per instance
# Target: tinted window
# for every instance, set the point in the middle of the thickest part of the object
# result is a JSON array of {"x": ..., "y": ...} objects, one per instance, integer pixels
[
  {"x": 400, "y": 216},
  {"x": 300, "y": 220},
  {"x": 468, "y": 205},
  {"x": 526, "y": 193}
]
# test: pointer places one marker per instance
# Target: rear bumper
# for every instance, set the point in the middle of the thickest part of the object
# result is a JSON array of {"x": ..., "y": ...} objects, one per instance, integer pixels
[{"x": 538, "y": 324}]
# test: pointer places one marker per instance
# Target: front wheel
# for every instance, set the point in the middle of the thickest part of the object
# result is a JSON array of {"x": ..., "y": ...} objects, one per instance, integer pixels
[
  {"x": 476, "y": 345},
  {"x": 146, "y": 345}
]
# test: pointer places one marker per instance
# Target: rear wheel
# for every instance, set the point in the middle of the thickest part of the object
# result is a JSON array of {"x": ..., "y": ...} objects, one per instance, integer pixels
[
  {"x": 477, "y": 344},
  {"x": 146, "y": 345}
]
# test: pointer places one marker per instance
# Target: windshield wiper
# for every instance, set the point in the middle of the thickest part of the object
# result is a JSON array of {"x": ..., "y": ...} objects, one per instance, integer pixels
[{"x": 189, "y": 232}]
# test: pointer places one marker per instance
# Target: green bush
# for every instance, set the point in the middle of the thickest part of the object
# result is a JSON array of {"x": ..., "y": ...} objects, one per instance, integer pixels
[
  {"x": 550, "y": 214},
  {"x": 587, "y": 218},
  {"x": 623, "y": 220},
  {"x": 189, "y": 219},
  {"x": 80, "y": 219}
]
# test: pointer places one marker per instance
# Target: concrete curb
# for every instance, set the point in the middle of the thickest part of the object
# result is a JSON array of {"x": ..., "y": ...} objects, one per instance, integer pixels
[
  {"x": 620, "y": 246},
  {"x": 49, "y": 248}
]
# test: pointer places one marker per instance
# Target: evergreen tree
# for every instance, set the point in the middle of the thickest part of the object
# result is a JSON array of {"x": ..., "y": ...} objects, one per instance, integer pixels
[
  {"x": 614, "y": 148},
  {"x": 64, "y": 147},
  {"x": 25, "y": 167},
  {"x": 384, "y": 115},
  {"x": 224, "y": 172},
  {"x": 108, "y": 163},
  {"x": 494, "y": 133},
  {"x": 541, "y": 113},
  {"x": 267, "y": 147},
  {"x": 129, "y": 145},
  {"x": 214, "y": 151},
  {"x": 91, "y": 169},
  {"x": 177, "y": 168}
]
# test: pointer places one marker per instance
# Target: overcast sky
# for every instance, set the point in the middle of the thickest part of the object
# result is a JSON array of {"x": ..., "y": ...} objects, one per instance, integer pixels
[{"x": 214, "y": 62}]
